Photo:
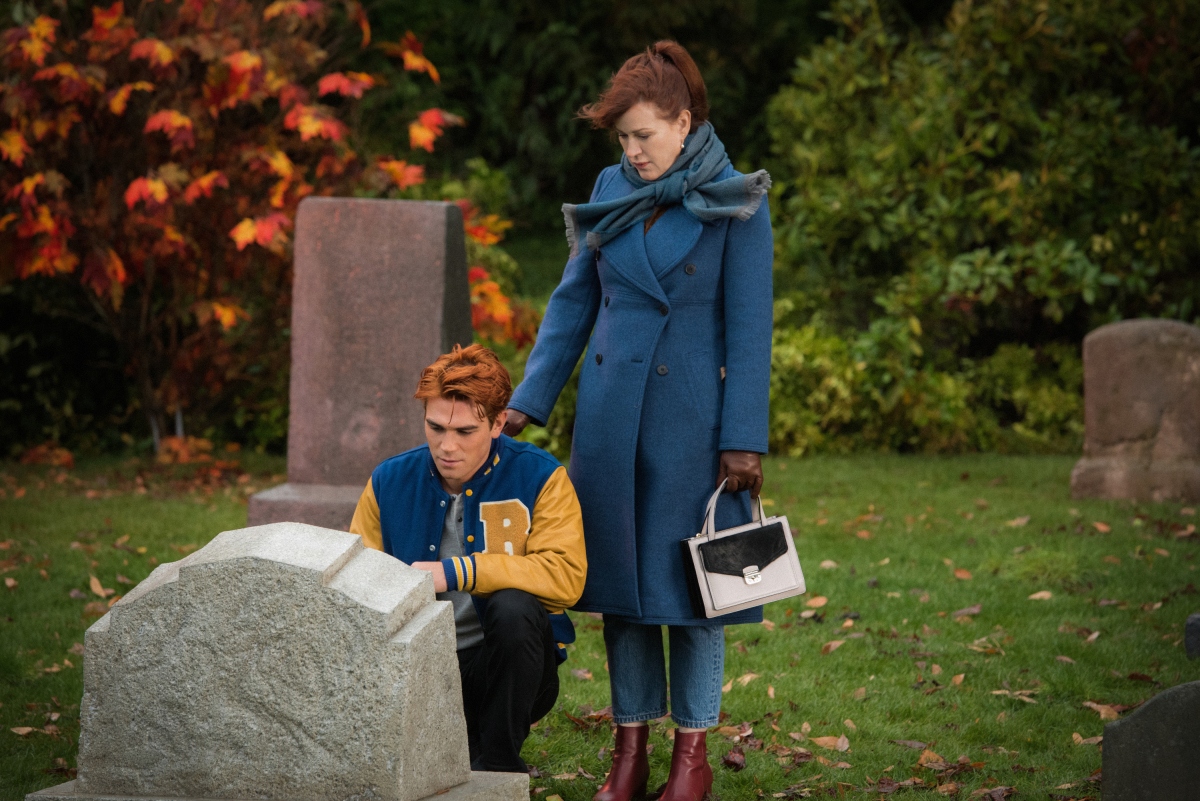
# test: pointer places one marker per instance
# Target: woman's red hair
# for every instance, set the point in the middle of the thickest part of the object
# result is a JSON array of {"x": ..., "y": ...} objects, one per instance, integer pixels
[
  {"x": 471, "y": 374},
  {"x": 664, "y": 75}
]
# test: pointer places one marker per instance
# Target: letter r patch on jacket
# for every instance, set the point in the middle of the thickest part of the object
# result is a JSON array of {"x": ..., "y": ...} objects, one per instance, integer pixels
[{"x": 505, "y": 526}]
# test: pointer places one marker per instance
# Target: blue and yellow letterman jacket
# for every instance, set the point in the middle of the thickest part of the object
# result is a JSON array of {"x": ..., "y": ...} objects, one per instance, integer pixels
[{"x": 521, "y": 521}]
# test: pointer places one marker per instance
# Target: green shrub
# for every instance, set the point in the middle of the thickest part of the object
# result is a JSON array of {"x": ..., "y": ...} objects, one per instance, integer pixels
[{"x": 956, "y": 207}]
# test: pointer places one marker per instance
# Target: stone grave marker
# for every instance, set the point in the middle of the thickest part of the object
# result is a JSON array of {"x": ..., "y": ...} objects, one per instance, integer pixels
[
  {"x": 284, "y": 662},
  {"x": 1141, "y": 412},
  {"x": 1150, "y": 755},
  {"x": 380, "y": 291}
]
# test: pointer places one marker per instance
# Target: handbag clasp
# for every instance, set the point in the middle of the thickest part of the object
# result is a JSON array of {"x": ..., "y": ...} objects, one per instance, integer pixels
[{"x": 752, "y": 574}]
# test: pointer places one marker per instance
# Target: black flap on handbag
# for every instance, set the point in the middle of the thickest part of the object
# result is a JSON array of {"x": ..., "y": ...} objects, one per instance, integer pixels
[{"x": 730, "y": 555}]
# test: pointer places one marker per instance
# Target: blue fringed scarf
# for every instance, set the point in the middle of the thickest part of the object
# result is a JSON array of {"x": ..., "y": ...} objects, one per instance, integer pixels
[{"x": 689, "y": 181}]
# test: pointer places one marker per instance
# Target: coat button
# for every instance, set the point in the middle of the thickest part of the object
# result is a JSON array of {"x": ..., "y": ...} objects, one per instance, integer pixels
[
  {"x": 662, "y": 369},
  {"x": 663, "y": 308},
  {"x": 606, "y": 301},
  {"x": 469, "y": 492},
  {"x": 599, "y": 358},
  {"x": 690, "y": 269},
  {"x": 432, "y": 547},
  {"x": 470, "y": 538}
]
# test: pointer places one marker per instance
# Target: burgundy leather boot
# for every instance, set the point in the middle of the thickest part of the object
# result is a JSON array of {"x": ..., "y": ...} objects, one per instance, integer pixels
[
  {"x": 691, "y": 776},
  {"x": 630, "y": 766}
]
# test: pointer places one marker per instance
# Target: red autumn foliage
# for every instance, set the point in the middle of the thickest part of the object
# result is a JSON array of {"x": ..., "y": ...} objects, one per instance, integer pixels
[{"x": 155, "y": 155}]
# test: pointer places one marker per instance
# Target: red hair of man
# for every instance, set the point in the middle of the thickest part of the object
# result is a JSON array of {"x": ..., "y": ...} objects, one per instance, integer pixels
[
  {"x": 664, "y": 75},
  {"x": 473, "y": 374}
]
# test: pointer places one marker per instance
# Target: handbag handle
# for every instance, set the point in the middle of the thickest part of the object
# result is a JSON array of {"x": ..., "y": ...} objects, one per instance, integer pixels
[{"x": 758, "y": 514}]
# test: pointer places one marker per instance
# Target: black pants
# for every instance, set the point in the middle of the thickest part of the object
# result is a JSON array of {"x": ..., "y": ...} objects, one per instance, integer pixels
[{"x": 509, "y": 682}]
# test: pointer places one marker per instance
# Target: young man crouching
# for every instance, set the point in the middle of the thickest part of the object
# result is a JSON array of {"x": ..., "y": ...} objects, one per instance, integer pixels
[{"x": 497, "y": 524}]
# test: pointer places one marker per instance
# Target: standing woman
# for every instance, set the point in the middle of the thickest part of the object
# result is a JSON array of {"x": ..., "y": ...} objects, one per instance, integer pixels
[{"x": 669, "y": 287}]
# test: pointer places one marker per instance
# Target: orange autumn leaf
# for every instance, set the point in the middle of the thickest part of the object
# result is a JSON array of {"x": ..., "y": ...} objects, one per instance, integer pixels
[
  {"x": 26, "y": 190},
  {"x": 105, "y": 19},
  {"x": 350, "y": 84},
  {"x": 243, "y": 61},
  {"x": 150, "y": 190},
  {"x": 14, "y": 147},
  {"x": 312, "y": 121},
  {"x": 227, "y": 314},
  {"x": 263, "y": 230},
  {"x": 41, "y": 35},
  {"x": 155, "y": 51},
  {"x": 300, "y": 8},
  {"x": 402, "y": 174},
  {"x": 177, "y": 127},
  {"x": 962, "y": 573},
  {"x": 119, "y": 99},
  {"x": 428, "y": 127},
  {"x": 412, "y": 53}
]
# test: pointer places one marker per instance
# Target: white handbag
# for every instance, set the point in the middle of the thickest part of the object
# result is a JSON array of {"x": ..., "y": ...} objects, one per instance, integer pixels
[{"x": 740, "y": 567}]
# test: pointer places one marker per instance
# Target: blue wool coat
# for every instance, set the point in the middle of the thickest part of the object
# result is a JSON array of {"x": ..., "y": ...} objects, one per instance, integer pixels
[{"x": 662, "y": 315}]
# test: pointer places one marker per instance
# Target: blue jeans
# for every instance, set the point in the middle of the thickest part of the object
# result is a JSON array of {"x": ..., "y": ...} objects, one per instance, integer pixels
[{"x": 638, "y": 674}]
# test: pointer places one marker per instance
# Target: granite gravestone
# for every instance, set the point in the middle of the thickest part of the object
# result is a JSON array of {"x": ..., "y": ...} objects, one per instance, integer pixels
[
  {"x": 278, "y": 662},
  {"x": 1150, "y": 755},
  {"x": 380, "y": 291},
  {"x": 1141, "y": 412}
]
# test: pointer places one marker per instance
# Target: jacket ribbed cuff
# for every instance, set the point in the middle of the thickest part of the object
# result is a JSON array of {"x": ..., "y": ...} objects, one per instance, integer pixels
[{"x": 460, "y": 573}]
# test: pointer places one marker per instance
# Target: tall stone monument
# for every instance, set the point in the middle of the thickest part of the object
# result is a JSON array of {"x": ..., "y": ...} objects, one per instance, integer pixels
[
  {"x": 1141, "y": 389},
  {"x": 283, "y": 662},
  {"x": 380, "y": 291}
]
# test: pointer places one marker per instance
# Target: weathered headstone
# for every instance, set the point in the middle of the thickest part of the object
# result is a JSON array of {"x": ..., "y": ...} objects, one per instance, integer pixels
[
  {"x": 1191, "y": 636},
  {"x": 1150, "y": 755},
  {"x": 1141, "y": 412},
  {"x": 380, "y": 291},
  {"x": 283, "y": 662}
]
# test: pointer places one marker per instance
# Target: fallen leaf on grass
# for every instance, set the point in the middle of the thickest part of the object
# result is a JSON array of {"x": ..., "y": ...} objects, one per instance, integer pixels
[
  {"x": 1017, "y": 522},
  {"x": 828, "y": 564},
  {"x": 849, "y": 724},
  {"x": 842, "y": 765},
  {"x": 949, "y": 788},
  {"x": 917, "y": 744},
  {"x": 831, "y": 646},
  {"x": 936, "y": 670},
  {"x": 770, "y": 692},
  {"x": 1080, "y": 740},
  {"x": 1020, "y": 695},
  {"x": 1106, "y": 712},
  {"x": 1162, "y": 552},
  {"x": 860, "y": 693},
  {"x": 1066, "y": 659},
  {"x": 77, "y": 594},
  {"x": 582, "y": 673},
  {"x": 932, "y": 761},
  {"x": 122, "y": 580},
  {"x": 958, "y": 679},
  {"x": 974, "y": 609},
  {"x": 862, "y": 535},
  {"x": 1042, "y": 595},
  {"x": 1103, "y": 528},
  {"x": 768, "y": 625},
  {"x": 994, "y": 793},
  {"x": 98, "y": 588},
  {"x": 735, "y": 760},
  {"x": 1113, "y": 560},
  {"x": 816, "y": 603},
  {"x": 884, "y": 561},
  {"x": 727, "y": 687},
  {"x": 839, "y": 743},
  {"x": 10, "y": 582},
  {"x": 22, "y": 730},
  {"x": 747, "y": 678},
  {"x": 962, "y": 573}
]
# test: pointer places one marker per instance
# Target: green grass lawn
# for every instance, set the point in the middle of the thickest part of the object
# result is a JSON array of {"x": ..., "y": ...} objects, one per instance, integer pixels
[{"x": 897, "y": 545}]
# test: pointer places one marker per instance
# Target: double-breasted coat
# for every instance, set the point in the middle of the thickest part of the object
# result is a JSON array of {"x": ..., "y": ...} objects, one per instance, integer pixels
[{"x": 677, "y": 325}]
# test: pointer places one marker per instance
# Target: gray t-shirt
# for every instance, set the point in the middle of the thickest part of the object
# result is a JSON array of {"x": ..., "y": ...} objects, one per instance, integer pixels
[{"x": 467, "y": 630}]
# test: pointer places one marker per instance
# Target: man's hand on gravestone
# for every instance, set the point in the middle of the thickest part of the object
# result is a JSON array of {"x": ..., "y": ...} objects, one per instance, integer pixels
[
  {"x": 516, "y": 422},
  {"x": 742, "y": 470},
  {"x": 435, "y": 569}
]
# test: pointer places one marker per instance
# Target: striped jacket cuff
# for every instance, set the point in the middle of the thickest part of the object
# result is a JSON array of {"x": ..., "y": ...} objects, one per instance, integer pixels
[{"x": 460, "y": 573}]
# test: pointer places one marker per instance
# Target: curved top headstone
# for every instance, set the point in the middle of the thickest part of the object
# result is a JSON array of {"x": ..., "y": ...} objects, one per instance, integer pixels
[{"x": 278, "y": 662}]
